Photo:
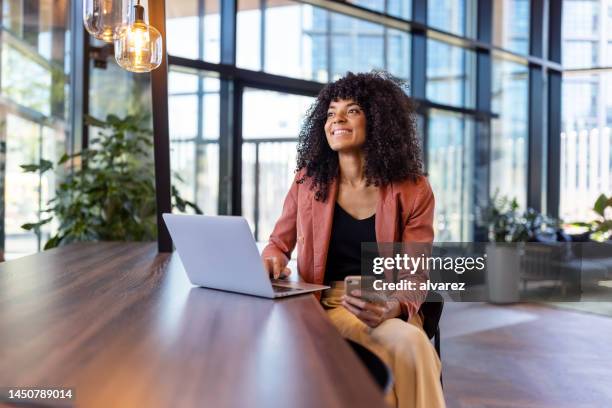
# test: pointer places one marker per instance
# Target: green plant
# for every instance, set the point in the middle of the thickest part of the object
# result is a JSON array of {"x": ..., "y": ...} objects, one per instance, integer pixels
[
  {"x": 110, "y": 192},
  {"x": 600, "y": 228},
  {"x": 507, "y": 223}
]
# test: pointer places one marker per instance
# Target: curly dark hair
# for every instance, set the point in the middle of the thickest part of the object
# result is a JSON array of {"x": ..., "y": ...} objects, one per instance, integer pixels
[{"x": 392, "y": 149}]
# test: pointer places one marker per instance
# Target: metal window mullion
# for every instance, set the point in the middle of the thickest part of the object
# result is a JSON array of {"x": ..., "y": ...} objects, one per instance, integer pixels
[
  {"x": 161, "y": 138},
  {"x": 418, "y": 52},
  {"x": 482, "y": 127},
  {"x": 229, "y": 181},
  {"x": 554, "y": 112},
  {"x": 535, "y": 136}
]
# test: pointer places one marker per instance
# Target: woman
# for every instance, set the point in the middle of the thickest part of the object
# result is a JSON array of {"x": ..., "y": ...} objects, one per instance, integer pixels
[{"x": 360, "y": 179}]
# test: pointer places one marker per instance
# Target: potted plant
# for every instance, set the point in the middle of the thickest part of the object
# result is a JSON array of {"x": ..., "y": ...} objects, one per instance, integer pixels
[
  {"x": 110, "y": 192},
  {"x": 509, "y": 229},
  {"x": 599, "y": 229}
]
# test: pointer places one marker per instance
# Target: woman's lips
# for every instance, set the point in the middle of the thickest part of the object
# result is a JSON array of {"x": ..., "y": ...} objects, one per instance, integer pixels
[{"x": 340, "y": 132}]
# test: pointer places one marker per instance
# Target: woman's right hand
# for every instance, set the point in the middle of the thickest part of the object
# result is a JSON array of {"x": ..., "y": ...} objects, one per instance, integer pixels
[{"x": 277, "y": 268}]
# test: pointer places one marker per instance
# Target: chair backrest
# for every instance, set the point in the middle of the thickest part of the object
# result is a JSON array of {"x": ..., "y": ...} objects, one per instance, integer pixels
[
  {"x": 432, "y": 311},
  {"x": 379, "y": 370}
]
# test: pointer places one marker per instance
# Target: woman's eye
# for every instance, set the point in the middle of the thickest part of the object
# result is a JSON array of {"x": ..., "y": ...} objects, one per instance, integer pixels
[
  {"x": 353, "y": 110},
  {"x": 330, "y": 114}
]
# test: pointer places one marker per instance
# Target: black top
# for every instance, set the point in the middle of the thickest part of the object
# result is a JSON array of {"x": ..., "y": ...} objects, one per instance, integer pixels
[{"x": 344, "y": 254}]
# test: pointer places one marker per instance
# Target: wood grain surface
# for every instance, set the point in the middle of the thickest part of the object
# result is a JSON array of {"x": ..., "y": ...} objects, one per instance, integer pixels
[{"x": 122, "y": 325}]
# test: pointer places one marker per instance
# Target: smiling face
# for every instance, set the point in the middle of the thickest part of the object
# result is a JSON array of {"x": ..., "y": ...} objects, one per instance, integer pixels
[{"x": 345, "y": 127}]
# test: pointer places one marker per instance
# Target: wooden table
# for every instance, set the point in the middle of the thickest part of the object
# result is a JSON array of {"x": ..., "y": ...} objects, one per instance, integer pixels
[{"x": 122, "y": 325}]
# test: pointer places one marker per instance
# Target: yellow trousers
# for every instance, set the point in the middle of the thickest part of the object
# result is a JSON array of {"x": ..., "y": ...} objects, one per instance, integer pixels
[{"x": 402, "y": 346}]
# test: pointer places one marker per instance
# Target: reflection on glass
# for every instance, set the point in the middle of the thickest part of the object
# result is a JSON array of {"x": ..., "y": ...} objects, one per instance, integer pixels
[
  {"x": 398, "y": 53},
  {"x": 509, "y": 130},
  {"x": 25, "y": 80},
  {"x": 400, "y": 8},
  {"x": 248, "y": 35},
  {"x": 194, "y": 28},
  {"x": 511, "y": 25},
  {"x": 193, "y": 110},
  {"x": 450, "y": 74},
  {"x": 323, "y": 45},
  {"x": 114, "y": 90},
  {"x": 586, "y": 157},
  {"x": 586, "y": 168},
  {"x": 356, "y": 45},
  {"x": 450, "y": 158},
  {"x": 454, "y": 16},
  {"x": 271, "y": 122},
  {"x": 23, "y": 189},
  {"x": 396, "y": 8},
  {"x": 34, "y": 74}
]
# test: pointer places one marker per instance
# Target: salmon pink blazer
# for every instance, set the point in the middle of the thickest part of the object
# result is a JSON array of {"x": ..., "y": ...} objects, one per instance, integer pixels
[{"x": 404, "y": 213}]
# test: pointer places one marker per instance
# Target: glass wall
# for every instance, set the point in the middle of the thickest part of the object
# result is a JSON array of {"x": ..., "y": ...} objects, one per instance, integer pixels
[
  {"x": 511, "y": 25},
  {"x": 297, "y": 41},
  {"x": 454, "y": 16},
  {"x": 193, "y": 110},
  {"x": 306, "y": 42},
  {"x": 586, "y": 156},
  {"x": 193, "y": 29},
  {"x": 35, "y": 94},
  {"x": 450, "y": 74},
  {"x": 271, "y": 124},
  {"x": 450, "y": 158},
  {"x": 509, "y": 131}
]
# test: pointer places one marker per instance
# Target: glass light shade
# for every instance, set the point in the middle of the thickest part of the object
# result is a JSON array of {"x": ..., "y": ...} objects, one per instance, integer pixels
[
  {"x": 138, "y": 47},
  {"x": 104, "y": 18}
]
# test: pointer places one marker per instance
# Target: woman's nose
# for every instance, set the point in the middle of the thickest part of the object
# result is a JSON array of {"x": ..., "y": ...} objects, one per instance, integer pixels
[{"x": 339, "y": 118}]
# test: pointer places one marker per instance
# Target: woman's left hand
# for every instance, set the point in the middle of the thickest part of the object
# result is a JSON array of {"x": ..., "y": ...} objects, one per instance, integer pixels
[{"x": 371, "y": 313}]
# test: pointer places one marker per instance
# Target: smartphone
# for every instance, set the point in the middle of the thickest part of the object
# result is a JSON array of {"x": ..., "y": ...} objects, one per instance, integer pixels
[{"x": 365, "y": 284}]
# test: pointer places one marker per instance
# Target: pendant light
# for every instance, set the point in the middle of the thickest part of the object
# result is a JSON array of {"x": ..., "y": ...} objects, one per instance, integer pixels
[
  {"x": 138, "y": 46},
  {"x": 103, "y": 18}
]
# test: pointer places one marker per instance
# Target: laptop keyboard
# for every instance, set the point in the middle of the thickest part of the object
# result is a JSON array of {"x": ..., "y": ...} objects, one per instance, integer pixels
[{"x": 278, "y": 288}]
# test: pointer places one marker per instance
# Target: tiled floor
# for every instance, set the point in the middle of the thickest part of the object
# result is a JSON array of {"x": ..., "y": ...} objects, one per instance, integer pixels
[{"x": 525, "y": 356}]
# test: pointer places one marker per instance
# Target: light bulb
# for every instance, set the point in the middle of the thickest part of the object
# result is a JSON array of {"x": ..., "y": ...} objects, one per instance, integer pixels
[
  {"x": 138, "y": 46},
  {"x": 103, "y": 18}
]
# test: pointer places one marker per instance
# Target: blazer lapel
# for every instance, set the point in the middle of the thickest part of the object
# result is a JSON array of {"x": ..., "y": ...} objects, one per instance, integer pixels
[
  {"x": 386, "y": 216},
  {"x": 322, "y": 218}
]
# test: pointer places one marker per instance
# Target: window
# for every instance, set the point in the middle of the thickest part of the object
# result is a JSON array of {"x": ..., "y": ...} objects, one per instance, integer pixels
[
  {"x": 450, "y": 158},
  {"x": 33, "y": 113},
  {"x": 194, "y": 28},
  {"x": 454, "y": 16},
  {"x": 193, "y": 110},
  {"x": 511, "y": 25},
  {"x": 271, "y": 124},
  {"x": 323, "y": 45},
  {"x": 450, "y": 74},
  {"x": 580, "y": 54},
  {"x": 509, "y": 130},
  {"x": 580, "y": 18}
]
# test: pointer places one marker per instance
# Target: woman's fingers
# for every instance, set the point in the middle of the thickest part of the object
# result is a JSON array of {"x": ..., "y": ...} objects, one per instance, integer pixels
[
  {"x": 365, "y": 305},
  {"x": 286, "y": 272},
  {"x": 371, "y": 314},
  {"x": 275, "y": 267}
]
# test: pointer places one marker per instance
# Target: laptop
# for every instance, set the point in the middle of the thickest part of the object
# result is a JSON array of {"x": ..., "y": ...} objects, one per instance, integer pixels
[{"x": 219, "y": 252}]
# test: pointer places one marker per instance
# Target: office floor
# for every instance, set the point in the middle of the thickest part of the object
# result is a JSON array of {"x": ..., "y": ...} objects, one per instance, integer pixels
[{"x": 525, "y": 356}]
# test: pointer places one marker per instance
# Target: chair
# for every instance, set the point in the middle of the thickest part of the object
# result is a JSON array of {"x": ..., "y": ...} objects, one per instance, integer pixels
[
  {"x": 379, "y": 370},
  {"x": 432, "y": 311}
]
